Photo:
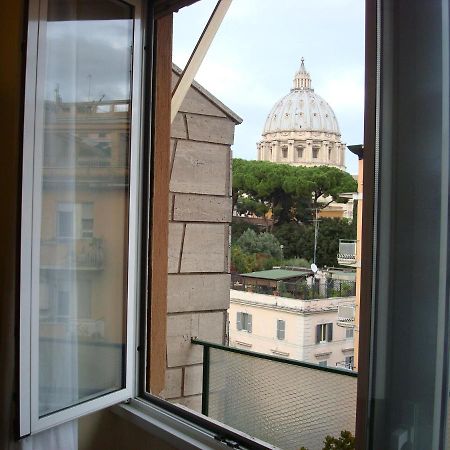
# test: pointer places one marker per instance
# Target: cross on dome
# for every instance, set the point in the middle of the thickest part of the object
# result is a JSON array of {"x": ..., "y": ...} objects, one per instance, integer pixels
[{"x": 302, "y": 78}]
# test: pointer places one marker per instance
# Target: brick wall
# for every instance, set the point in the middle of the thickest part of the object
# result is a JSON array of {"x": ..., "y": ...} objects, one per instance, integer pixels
[{"x": 199, "y": 217}]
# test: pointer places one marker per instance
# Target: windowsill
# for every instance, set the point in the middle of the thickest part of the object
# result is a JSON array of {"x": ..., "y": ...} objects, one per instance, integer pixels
[{"x": 175, "y": 430}]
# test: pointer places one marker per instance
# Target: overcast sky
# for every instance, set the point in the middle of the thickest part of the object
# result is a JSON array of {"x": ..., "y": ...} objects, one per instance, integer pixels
[{"x": 253, "y": 59}]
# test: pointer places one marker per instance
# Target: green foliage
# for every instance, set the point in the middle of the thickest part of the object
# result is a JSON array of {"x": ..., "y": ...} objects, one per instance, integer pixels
[
  {"x": 242, "y": 262},
  {"x": 248, "y": 205},
  {"x": 265, "y": 243},
  {"x": 291, "y": 193},
  {"x": 238, "y": 227},
  {"x": 345, "y": 441},
  {"x": 298, "y": 240},
  {"x": 245, "y": 262},
  {"x": 297, "y": 262}
]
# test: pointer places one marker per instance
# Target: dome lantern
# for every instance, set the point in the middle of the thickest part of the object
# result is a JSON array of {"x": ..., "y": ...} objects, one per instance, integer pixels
[{"x": 302, "y": 78}]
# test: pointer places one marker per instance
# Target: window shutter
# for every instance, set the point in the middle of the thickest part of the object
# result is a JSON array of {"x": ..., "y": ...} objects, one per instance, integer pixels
[
  {"x": 329, "y": 332},
  {"x": 239, "y": 321},
  {"x": 280, "y": 329},
  {"x": 318, "y": 333},
  {"x": 249, "y": 323}
]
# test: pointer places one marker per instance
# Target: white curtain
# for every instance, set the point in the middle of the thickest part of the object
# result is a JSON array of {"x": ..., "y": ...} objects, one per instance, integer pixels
[{"x": 61, "y": 437}]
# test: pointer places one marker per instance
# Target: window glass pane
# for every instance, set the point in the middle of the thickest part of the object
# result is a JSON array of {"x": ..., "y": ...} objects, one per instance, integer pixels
[{"x": 82, "y": 175}]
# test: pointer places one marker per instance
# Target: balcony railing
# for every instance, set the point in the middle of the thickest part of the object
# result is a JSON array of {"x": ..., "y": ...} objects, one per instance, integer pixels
[
  {"x": 301, "y": 290},
  {"x": 72, "y": 254},
  {"x": 347, "y": 252},
  {"x": 284, "y": 402},
  {"x": 345, "y": 365}
]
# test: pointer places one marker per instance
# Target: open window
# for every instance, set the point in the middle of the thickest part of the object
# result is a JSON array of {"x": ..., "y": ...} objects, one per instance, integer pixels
[{"x": 80, "y": 209}]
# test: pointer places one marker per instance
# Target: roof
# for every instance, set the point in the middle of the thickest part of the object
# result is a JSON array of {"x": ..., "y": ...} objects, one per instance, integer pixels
[
  {"x": 227, "y": 111},
  {"x": 277, "y": 274},
  {"x": 164, "y": 7}
]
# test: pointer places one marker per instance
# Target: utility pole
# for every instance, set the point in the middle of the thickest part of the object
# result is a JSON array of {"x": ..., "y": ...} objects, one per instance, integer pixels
[{"x": 316, "y": 232}]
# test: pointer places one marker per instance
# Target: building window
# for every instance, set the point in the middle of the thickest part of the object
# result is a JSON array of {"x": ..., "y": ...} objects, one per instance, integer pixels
[
  {"x": 324, "y": 333},
  {"x": 349, "y": 333},
  {"x": 284, "y": 151},
  {"x": 281, "y": 326},
  {"x": 75, "y": 220},
  {"x": 329, "y": 154},
  {"x": 299, "y": 152},
  {"x": 323, "y": 363},
  {"x": 244, "y": 322},
  {"x": 315, "y": 152}
]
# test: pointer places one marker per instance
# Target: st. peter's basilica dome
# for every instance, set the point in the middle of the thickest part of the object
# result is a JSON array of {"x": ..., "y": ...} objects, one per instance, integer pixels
[{"x": 302, "y": 129}]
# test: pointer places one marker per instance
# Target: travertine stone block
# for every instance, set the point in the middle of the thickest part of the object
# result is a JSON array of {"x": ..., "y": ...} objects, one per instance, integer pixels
[
  {"x": 202, "y": 208},
  {"x": 174, "y": 380},
  {"x": 210, "y": 129},
  {"x": 173, "y": 142},
  {"x": 200, "y": 168},
  {"x": 178, "y": 129},
  {"x": 175, "y": 241},
  {"x": 196, "y": 103},
  {"x": 211, "y": 326},
  {"x": 181, "y": 328},
  {"x": 203, "y": 249},
  {"x": 171, "y": 203},
  {"x": 194, "y": 402},
  {"x": 193, "y": 380},
  {"x": 198, "y": 292}
]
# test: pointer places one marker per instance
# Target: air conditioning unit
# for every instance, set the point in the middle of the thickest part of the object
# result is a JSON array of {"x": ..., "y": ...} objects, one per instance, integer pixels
[{"x": 346, "y": 316}]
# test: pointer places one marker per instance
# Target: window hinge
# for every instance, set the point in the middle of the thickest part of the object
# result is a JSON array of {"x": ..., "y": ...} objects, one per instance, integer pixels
[{"x": 229, "y": 442}]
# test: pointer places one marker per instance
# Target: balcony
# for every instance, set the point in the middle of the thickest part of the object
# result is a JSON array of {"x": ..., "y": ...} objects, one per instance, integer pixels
[
  {"x": 345, "y": 365},
  {"x": 346, "y": 316},
  {"x": 347, "y": 253},
  {"x": 72, "y": 254},
  {"x": 284, "y": 402}
]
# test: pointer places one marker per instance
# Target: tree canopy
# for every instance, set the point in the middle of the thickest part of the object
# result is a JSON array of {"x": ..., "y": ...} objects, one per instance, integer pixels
[{"x": 290, "y": 193}]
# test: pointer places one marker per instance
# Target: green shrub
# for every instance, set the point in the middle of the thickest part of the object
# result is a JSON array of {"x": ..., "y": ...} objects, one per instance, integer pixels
[{"x": 345, "y": 441}]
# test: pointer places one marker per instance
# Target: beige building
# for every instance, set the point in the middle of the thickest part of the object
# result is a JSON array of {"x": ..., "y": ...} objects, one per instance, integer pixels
[
  {"x": 305, "y": 330},
  {"x": 302, "y": 129}
]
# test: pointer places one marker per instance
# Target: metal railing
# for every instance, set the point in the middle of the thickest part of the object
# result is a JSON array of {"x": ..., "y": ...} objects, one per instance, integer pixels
[
  {"x": 72, "y": 254},
  {"x": 284, "y": 402},
  {"x": 301, "y": 290},
  {"x": 345, "y": 365}
]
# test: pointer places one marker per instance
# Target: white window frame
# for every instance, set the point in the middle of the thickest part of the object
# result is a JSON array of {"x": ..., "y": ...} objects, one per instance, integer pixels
[{"x": 29, "y": 420}]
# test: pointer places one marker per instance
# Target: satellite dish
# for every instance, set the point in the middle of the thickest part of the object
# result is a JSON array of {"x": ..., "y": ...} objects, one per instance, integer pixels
[{"x": 314, "y": 268}]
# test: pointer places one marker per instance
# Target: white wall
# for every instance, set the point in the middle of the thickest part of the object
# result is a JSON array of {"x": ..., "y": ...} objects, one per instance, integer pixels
[{"x": 301, "y": 319}]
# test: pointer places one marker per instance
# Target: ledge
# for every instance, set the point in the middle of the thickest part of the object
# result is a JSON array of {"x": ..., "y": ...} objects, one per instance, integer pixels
[{"x": 180, "y": 432}]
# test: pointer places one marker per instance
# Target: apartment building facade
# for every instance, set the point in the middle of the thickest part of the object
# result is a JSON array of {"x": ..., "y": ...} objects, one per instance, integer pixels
[{"x": 305, "y": 330}]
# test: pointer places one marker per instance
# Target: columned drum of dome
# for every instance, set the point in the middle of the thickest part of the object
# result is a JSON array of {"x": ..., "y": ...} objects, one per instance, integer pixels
[{"x": 302, "y": 129}]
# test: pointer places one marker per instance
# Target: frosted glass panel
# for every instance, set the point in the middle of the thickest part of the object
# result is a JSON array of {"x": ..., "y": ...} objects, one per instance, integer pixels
[
  {"x": 82, "y": 177},
  {"x": 283, "y": 404}
]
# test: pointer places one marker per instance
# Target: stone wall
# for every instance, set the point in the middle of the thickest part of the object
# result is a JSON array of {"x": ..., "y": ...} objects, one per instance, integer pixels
[{"x": 199, "y": 217}]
